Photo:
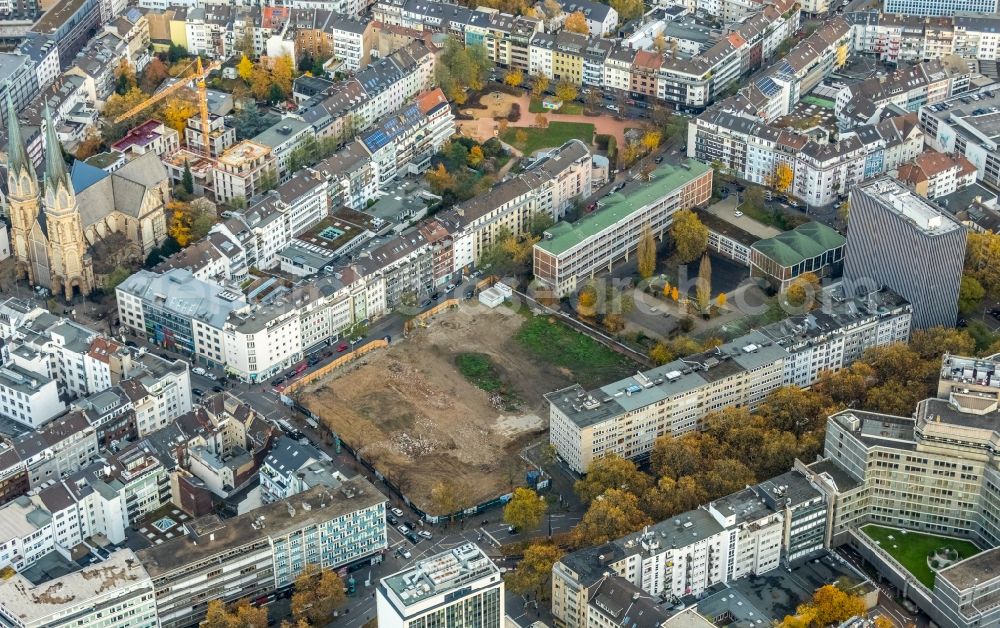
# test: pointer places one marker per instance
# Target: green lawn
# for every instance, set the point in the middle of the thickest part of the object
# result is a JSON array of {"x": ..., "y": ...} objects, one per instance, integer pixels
[
  {"x": 478, "y": 369},
  {"x": 569, "y": 108},
  {"x": 591, "y": 363},
  {"x": 912, "y": 548},
  {"x": 556, "y": 134}
]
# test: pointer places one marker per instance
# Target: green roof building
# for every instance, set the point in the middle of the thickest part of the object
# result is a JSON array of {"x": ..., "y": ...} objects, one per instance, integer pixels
[
  {"x": 570, "y": 253},
  {"x": 809, "y": 248}
]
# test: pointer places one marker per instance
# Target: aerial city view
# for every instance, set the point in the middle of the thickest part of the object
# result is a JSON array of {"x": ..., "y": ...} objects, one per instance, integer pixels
[{"x": 500, "y": 313}]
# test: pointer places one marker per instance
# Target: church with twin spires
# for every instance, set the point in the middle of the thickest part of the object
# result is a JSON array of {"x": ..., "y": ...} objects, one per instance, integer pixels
[{"x": 56, "y": 226}]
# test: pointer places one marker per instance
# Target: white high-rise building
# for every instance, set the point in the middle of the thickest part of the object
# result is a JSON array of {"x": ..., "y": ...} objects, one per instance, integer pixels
[{"x": 461, "y": 587}]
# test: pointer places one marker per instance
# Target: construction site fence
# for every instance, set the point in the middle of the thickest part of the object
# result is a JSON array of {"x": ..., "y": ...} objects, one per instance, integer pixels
[{"x": 308, "y": 378}]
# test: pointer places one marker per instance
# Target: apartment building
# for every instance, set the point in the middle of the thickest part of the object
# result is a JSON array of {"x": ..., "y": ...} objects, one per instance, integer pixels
[
  {"x": 570, "y": 253},
  {"x": 274, "y": 334},
  {"x": 626, "y": 417},
  {"x": 17, "y": 79},
  {"x": 179, "y": 312},
  {"x": 237, "y": 173},
  {"x": 28, "y": 398},
  {"x": 62, "y": 447},
  {"x": 291, "y": 468},
  {"x": 262, "y": 551},
  {"x": 834, "y": 336},
  {"x": 374, "y": 92},
  {"x": 961, "y": 125},
  {"x": 152, "y": 136},
  {"x": 320, "y": 31},
  {"x": 908, "y": 244},
  {"x": 352, "y": 174},
  {"x": 938, "y": 7},
  {"x": 932, "y": 174},
  {"x": 823, "y": 171},
  {"x": 403, "y": 142},
  {"x": 461, "y": 586},
  {"x": 548, "y": 186},
  {"x": 767, "y": 526},
  {"x": 926, "y": 83},
  {"x": 116, "y": 592}
]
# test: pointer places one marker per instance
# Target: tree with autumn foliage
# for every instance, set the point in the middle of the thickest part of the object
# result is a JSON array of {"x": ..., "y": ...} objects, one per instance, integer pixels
[
  {"x": 177, "y": 111},
  {"x": 646, "y": 253},
  {"x": 611, "y": 471},
  {"x": 690, "y": 236},
  {"x": 117, "y": 104},
  {"x": 318, "y": 592},
  {"x": 804, "y": 291},
  {"x": 576, "y": 22},
  {"x": 566, "y": 91},
  {"x": 781, "y": 180},
  {"x": 612, "y": 514},
  {"x": 90, "y": 145},
  {"x": 651, "y": 140},
  {"x": 124, "y": 76},
  {"x": 282, "y": 73},
  {"x": 180, "y": 222},
  {"x": 245, "y": 68},
  {"x": 439, "y": 179},
  {"x": 539, "y": 84},
  {"x": 829, "y": 605},
  {"x": 153, "y": 75},
  {"x": 525, "y": 509},
  {"x": 534, "y": 570},
  {"x": 241, "y": 614},
  {"x": 476, "y": 156},
  {"x": 513, "y": 77}
]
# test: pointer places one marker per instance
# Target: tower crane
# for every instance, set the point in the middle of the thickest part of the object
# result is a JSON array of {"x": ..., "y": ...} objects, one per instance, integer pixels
[{"x": 199, "y": 76}]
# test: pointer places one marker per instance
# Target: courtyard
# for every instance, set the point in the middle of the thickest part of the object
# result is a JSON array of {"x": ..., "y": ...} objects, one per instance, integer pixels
[{"x": 920, "y": 553}]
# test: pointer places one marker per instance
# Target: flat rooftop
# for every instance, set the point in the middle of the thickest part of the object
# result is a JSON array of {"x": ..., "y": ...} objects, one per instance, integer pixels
[
  {"x": 209, "y": 536},
  {"x": 621, "y": 205},
  {"x": 239, "y": 154},
  {"x": 57, "y": 16},
  {"x": 25, "y": 601},
  {"x": 920, "y": 212},
  {"x": 746, "y": 352},
  {"x": 974, "y": 570},
  {"x": 437, "y": 575}
]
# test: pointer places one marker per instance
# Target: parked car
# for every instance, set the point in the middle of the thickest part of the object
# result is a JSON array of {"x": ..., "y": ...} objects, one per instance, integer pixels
[
  {"x": 611, "y": 107},
  {"x": 198, "y": 370},
  {"x": 413, "y": 538},
  {"x": 403, "y": 529},
  {"x": 217, "y": 389},
  {"x": 277, "y": 381},
  {"x": 449, "y": 288},
  {"x": 425, "y": 534},
  {"x": 435, "y": 296},
  {"x": 396, "y": 511},
  {"x": 392, "y": 520},
  {"x": 198, "y": 392},
  {"x": 342, "y": 348}
]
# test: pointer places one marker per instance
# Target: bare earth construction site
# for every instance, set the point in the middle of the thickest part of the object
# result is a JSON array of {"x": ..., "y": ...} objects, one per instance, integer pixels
[{"x": 413, "y": 414}]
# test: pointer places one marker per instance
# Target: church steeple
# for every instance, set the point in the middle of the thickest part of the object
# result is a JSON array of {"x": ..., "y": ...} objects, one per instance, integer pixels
[
  {"x": 17, "y": 158},
  {"x": 59, "y": 194}
]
